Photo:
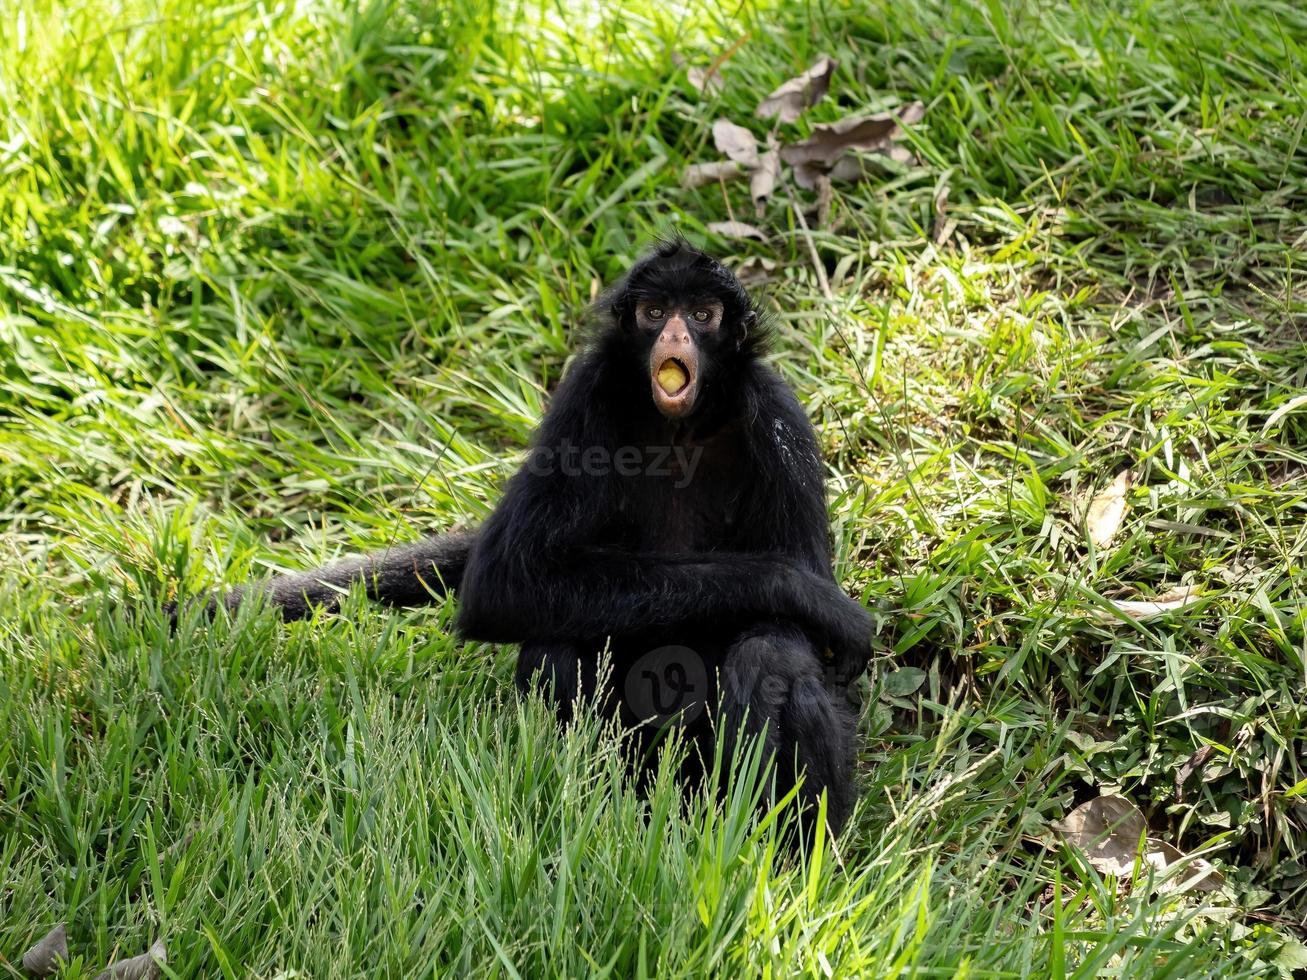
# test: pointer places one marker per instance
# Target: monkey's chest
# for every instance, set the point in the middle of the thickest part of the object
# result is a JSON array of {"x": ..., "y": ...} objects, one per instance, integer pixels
[{"x": 694, "y": 510}]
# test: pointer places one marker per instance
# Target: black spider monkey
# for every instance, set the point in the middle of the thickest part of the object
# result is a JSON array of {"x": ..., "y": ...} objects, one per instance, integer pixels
[{"x": 671, "y": 511}]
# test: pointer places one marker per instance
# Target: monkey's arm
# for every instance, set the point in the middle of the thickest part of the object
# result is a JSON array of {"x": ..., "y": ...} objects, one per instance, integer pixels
[
  {"x": 597, "y": 592},
  {"x": 407, "y": 575},
  {"x": 536, "y": 572},
  {"x": 783, "y": 507}
]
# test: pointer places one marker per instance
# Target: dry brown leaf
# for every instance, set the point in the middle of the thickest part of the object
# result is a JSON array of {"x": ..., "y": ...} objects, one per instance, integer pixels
[
  {"x": 912, "y": 113},
  {"x": 705, "y": 80},
  {"x": 787, "y": 103},
  {"x": 941, "y": 198},
  {"x": 699, "y": 174},
  {"x": 808, "y": 176},
  {"x": 46, "y": 956},
  {"x": 143, "y": 967},
  {"x": 1169, "y": 601},
  {"x": 1192, "y": 765},
  {"x": 1195, "y": 872},
  {"x": 710, "y": 79},
  {"x": 848, "y": 169},
  {"x": 944, "y": 225},
  {"x": 762, "y": 182},
  {"x": 1108, "y": 830},
  {"x": 736, "y": 142},
  {"x": 1106, "y": 511},
  {"x": 854, "y": 167},
  {"x": 828, "y": 143},
  {"x": 736, "y": 229},
  {"x": 754, "y": 270},
  {"x": 825, "y": 195},
  {"x": 700, "y": 79}
]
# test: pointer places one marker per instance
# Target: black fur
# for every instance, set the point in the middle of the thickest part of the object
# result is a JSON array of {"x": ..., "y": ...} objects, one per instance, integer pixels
[
  {"x": 730, "y": 561},
  {"x": 407, "y": 575}
]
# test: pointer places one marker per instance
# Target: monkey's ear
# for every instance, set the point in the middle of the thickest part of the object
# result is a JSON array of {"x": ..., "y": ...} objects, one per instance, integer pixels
[
  {"x": 747, "y": 323},
  {"x": 620, "y": 306}
]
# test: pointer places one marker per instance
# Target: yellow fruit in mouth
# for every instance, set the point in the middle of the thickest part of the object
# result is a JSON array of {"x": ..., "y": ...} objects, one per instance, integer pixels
[{"x": 672, "y": 377}]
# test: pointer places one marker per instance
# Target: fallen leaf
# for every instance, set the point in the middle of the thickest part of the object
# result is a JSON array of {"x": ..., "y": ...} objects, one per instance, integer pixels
[
  {"x": 940, "y": 202},
  {"x": 855, "y": 167},
  {"x": 787, "y": 103},
  {"x": 754, "y": 270},
  {"x": 912, "y": 113},
  {"x": 45, "y": 957},
  {"x": 1109, "y": 830},
  {"x": 808, "y": 175},
  {"x": 944, "y": 225},
  {"x": 863, "y": 133},
  {"x": 736, "y": 229},
  {"x": 736, "y": 142},
  {"x": 1195, "y": 762},
  {"x": 699, "y": 174},
  {"x": 1176, "y": 598},
  {"x": 143, "y": 967},
  {"x": 707, "y": 80},
  {"x": 825, "y": 195},
  {"x": 762, "y": 182},
  {"x": 1106, "y": 511},
  {"x": 1190, "y": 872}
]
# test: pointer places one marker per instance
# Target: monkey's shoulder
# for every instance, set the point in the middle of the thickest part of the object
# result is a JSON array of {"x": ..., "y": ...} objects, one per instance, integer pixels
[{"x": 778, "y": 422}]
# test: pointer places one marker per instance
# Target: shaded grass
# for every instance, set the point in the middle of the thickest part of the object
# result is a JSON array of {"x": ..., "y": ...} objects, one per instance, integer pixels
[{"x": 280, "y": 281}]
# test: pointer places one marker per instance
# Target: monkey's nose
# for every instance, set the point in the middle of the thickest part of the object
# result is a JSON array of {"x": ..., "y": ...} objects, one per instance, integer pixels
[{"x": 676, "y": 331}]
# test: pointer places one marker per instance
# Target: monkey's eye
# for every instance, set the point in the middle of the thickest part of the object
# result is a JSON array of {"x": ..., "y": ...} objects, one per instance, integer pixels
[
  {"x": 654, "y": 313},
  {"x": 701, "y": 315}
]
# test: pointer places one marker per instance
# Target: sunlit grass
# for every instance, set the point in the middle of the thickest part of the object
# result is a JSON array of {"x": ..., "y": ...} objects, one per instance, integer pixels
[{"x": 280, "y": 281}]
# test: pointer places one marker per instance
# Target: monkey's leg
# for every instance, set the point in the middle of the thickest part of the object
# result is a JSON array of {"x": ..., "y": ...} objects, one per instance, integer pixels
[
  {"x": 772, "y": 688},
  {"x": 558, "y": 672}
]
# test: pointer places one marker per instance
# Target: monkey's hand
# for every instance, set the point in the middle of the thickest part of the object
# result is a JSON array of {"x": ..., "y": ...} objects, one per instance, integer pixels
[{"x": 849, "y": 628}]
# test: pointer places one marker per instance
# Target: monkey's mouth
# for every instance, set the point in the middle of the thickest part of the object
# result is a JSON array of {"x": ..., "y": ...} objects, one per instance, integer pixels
[
  {"x": 674, "y": 386},
  {"x": 673, "y": 376}
]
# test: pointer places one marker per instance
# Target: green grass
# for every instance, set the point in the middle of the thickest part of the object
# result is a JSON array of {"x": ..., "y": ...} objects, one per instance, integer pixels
[{"x": 281, "y": 281}]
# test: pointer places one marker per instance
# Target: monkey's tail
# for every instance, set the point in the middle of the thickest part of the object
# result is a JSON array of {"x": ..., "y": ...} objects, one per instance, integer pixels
[{"x": 408, "y": 575}]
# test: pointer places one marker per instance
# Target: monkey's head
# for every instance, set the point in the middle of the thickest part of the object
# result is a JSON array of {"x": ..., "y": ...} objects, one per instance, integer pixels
[{"x": 689, "y": 321}]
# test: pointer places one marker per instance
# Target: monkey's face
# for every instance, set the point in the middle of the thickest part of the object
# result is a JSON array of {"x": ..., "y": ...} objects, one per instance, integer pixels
[
  {"x": 686, "y": 318},
  {"x": 684, "y": 335}
]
